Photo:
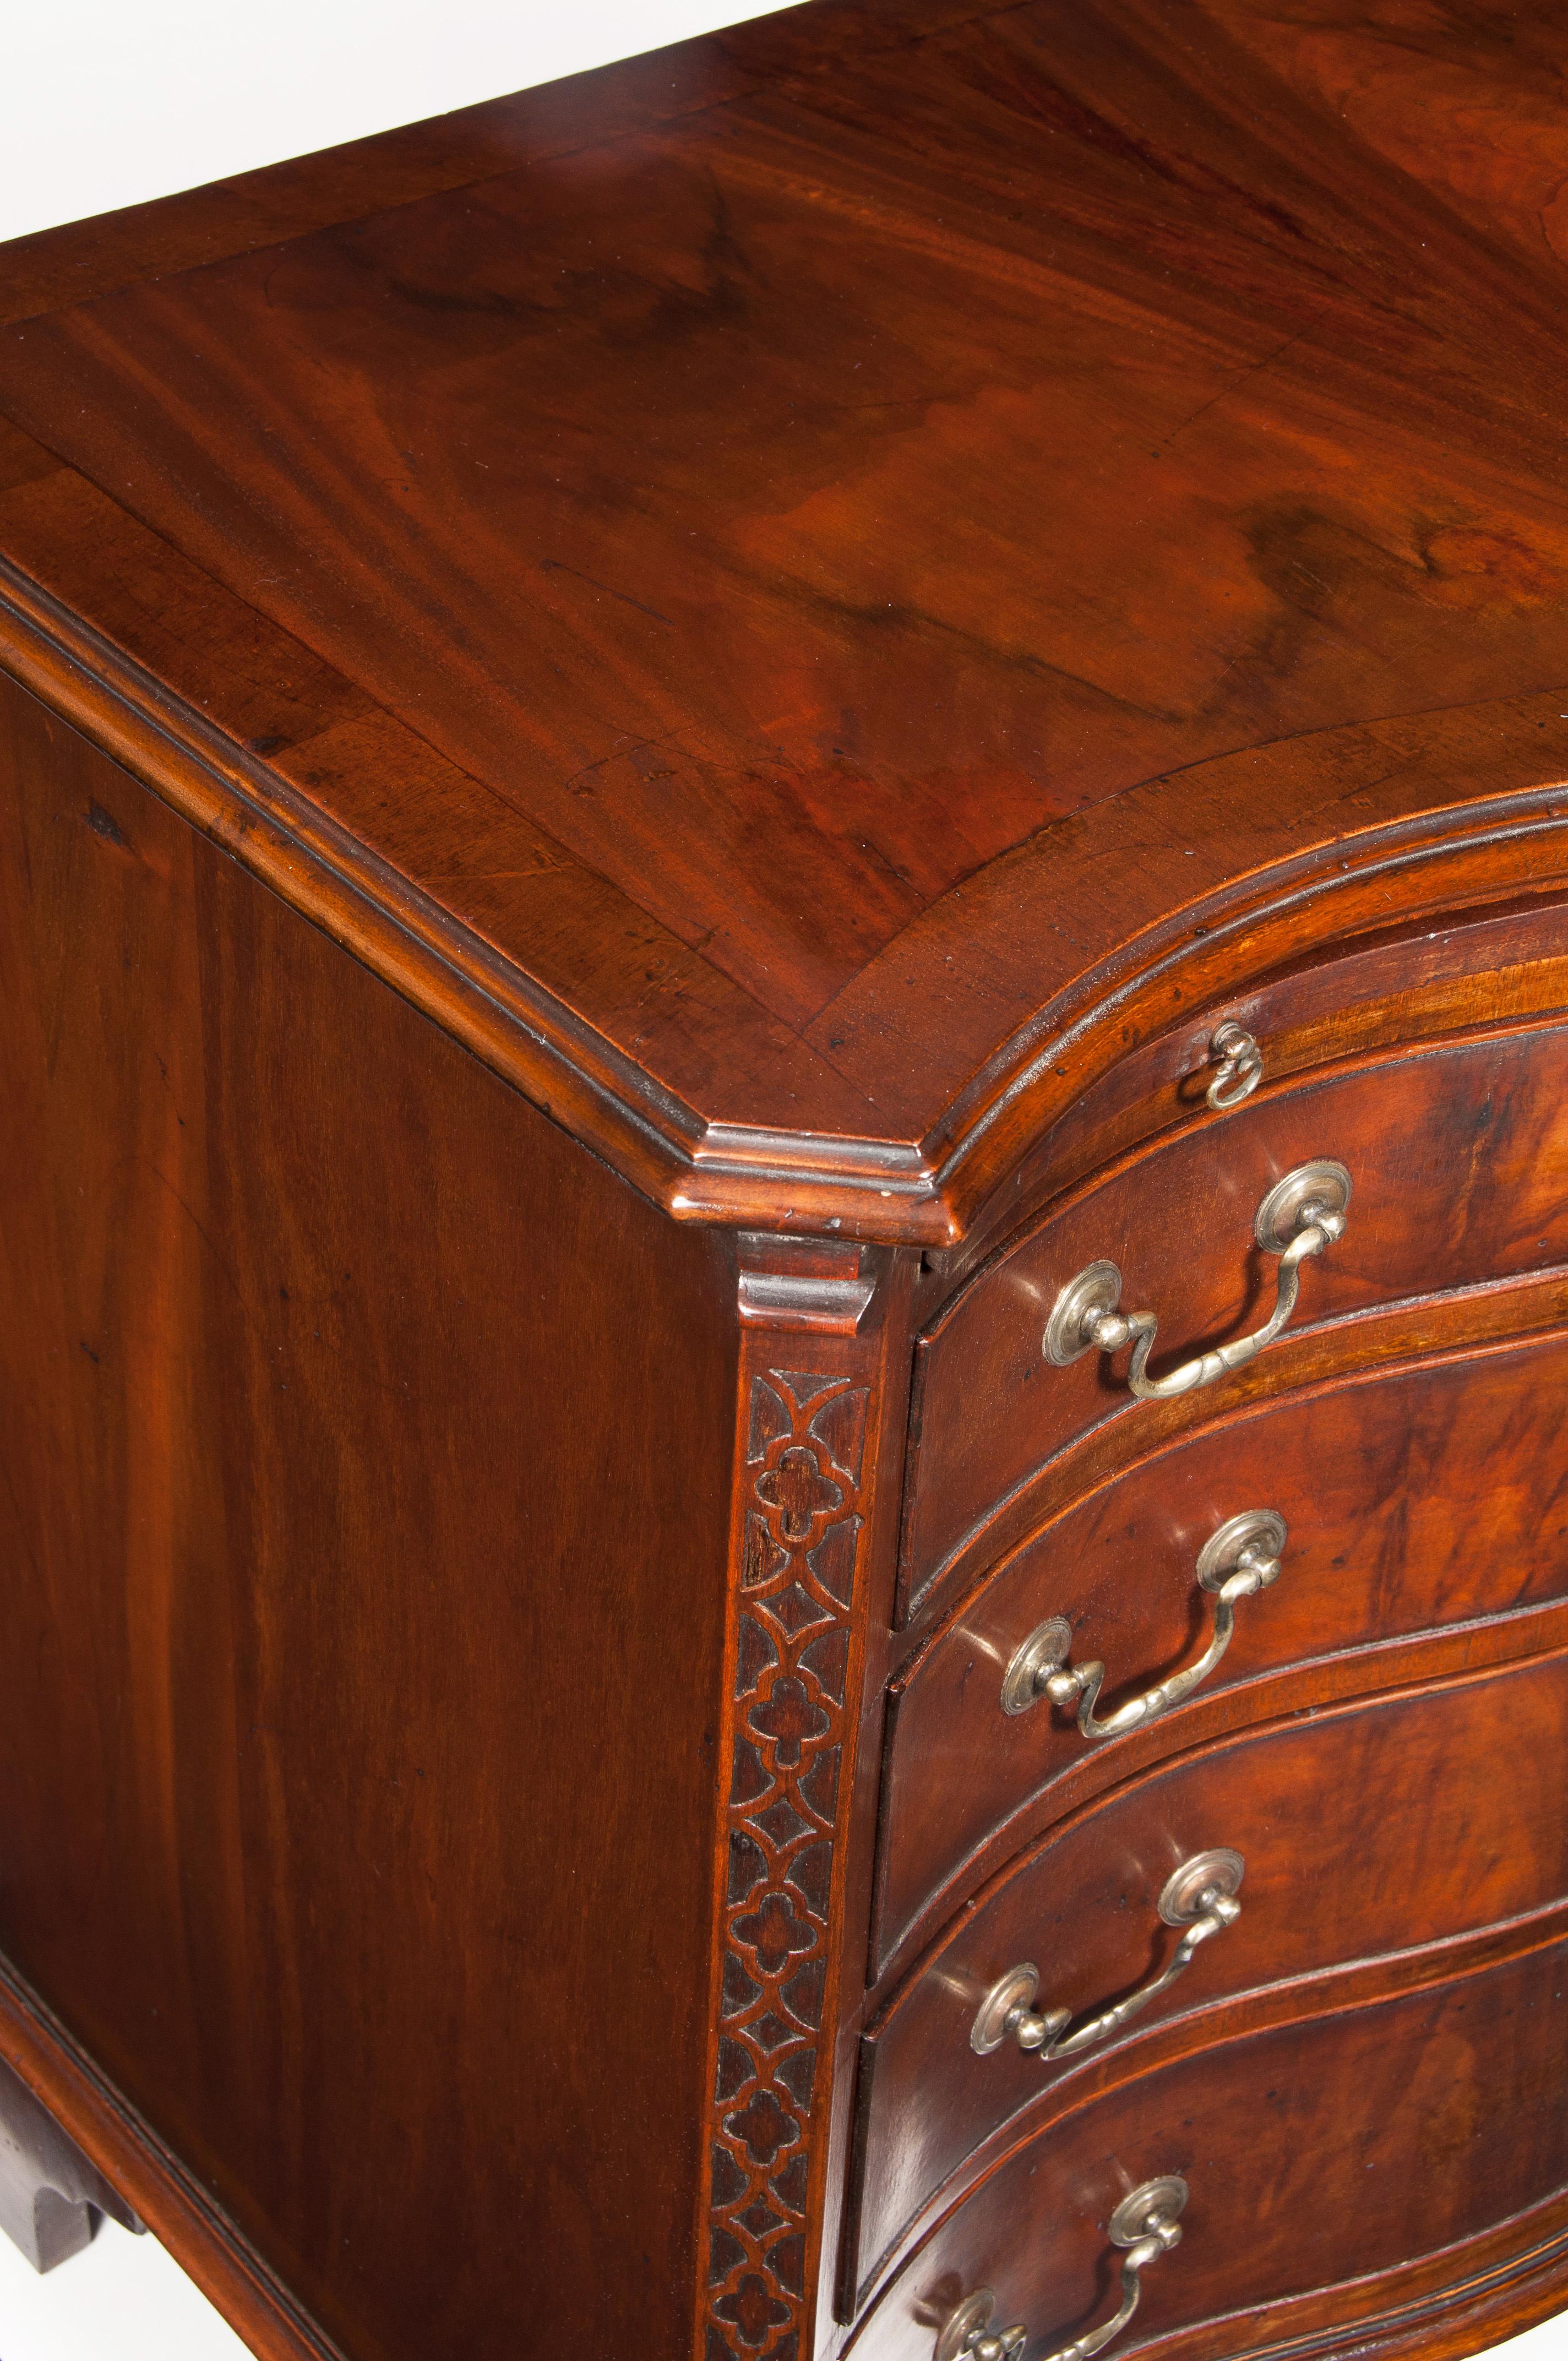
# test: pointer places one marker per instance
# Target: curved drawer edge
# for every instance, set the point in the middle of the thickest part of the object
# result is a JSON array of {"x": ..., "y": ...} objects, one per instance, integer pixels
[
  {"x": 1342, "y": 1989},
  {"x": 1379, "y": 1668},
  {"x": 1506, "y": 2287},
  {"x": 1439, "y": 1325}
]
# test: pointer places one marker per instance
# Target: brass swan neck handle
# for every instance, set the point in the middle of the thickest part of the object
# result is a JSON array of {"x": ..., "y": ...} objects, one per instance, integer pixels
[
  {"x": 1239, "y": 1560},
  {"x": 1301, "y": 1215},
  {"x": 1200, "y": 1897},
  {"x": 1146, "y": 2223}
]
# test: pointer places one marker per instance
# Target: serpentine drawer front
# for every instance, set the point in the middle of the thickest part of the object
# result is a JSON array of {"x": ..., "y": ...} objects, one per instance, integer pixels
[
  {"x": 1110, "y": 1923},
  {"x": 1458, "y": 1165},
  {"x": 784, "y": 1203},
  {"x": 1403, "y": 1509},
  {"x": 1445, "y": 2129}
]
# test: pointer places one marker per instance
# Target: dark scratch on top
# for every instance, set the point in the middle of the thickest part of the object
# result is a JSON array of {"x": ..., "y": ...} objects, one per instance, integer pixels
[
  {"x": 1251, "y": 370},
  {"x": 559, "y": 566}
]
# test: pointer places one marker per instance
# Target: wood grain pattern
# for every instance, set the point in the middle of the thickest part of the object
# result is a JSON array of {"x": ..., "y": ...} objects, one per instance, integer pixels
[
  {"x": 1458, "y": 1156},
  {"x": 1449, "y": 1848},
  {"x": 1475, "y": 2296},
  {"x": 1426, "y": 1497},
  {"x": 660, "y": 492},
  {"x": 204, "y": 2240},
  {"x": 352, "y": 1422},
  {"x": 1408, "y": 983},
  {"x": 1447, "y": 2096},
  {"x": 1347, "y": 1990},
  {"x": 644, "y": 730},
  {"x": 72, "y": 805},
  {"x": 1490, "y": 1312}
]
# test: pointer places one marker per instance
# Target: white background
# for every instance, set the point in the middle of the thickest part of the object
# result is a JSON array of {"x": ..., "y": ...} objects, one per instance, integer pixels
[
  {"x": 105, "y": 102},
  {"x": 108, "y": 105}
]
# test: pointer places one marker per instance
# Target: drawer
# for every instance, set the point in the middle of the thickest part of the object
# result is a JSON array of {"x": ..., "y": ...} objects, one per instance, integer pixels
[
  {"x": 1313, "y": 2154},
  {"x": 1459, "y": 1162},
  {"x": 1450, "y": 1846},
  {"x": 1423, "y": 1496},
  {"x": 1376, "y": 996}
]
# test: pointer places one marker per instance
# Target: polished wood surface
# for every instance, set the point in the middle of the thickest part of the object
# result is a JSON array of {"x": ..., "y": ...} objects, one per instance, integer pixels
[
  {"x": 309, "y": 1439},
  {"x": 644, "y": 734},
  {"x": 1447, "y": 2097},
  {"x": 1428, "y": 1496},
  {"x": 917, "y": 451},
  {"x": 1459, "y": 1164},
  {"x": 1398, "y": 985},
  {"x": 1449, "y": 1847}
]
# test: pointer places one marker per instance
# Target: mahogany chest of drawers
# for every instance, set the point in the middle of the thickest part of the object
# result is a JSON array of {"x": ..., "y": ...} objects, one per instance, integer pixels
[{"x": 784, "y": 1032}]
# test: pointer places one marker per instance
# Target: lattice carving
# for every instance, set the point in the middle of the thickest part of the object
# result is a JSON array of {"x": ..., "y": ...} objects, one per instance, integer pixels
[{"x": 802, "y": 1526}]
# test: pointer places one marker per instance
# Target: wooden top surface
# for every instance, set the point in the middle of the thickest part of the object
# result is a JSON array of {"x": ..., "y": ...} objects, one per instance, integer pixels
[{"x": 771, "y": 585}]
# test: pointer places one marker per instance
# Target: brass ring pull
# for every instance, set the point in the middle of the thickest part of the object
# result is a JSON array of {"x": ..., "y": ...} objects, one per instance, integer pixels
[
  {"x": 1300, "y": 1216},
  {"x": 1243, "y": 1558},
  {"x": 1240, "y": 1063},
  {"x": 1146, "y": 2223},
  {"x": 1199, "y": 1896}
]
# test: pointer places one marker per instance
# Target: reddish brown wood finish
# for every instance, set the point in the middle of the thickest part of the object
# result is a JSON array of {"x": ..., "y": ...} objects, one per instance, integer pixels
[
  {"x": 1447, "y": 2101},
  {"x": 810, "y": 1407},
  {"x": 1411, "y": 983},
  {"x": 1373, "y": 1827},
  {"x": 1464, "y": 2300},
  {"x": 380, "y": 472},
  {"x": 1320, "y": 1352},
  {"x": 819, "y": 607},
  {"x": 195, "y": 2228},
  {"x": 339, "y": 1480},
  {"x": 1425, "y": 1497},
  {"x": 1458, "y": 1159}
]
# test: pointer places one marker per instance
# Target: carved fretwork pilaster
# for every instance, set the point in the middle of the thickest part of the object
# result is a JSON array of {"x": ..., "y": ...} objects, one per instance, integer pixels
[{"x": 810, "y": 1386}]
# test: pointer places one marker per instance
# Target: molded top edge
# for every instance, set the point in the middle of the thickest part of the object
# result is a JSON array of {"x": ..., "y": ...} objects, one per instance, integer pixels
[{"x": 802, "y": 593}]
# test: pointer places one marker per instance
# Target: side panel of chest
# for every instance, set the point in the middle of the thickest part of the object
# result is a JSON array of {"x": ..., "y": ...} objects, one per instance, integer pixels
[{"x": 367, "y": 1468}]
